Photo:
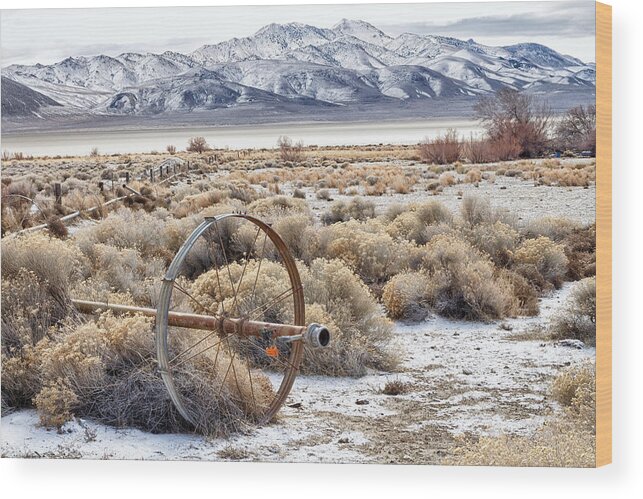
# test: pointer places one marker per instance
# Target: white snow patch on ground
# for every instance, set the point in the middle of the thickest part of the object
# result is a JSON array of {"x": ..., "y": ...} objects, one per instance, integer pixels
[{"x": 465, "y": 378}]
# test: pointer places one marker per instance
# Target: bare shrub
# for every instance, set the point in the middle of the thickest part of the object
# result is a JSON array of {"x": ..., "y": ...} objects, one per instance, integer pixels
[
  {"x": 323, "y": 194},
  {"x": 441, "y": 150},
  {"x": 512, "y": 117},
  {"x": 578, "y": 318},
  {"x": 289, "y": 150},
  {"x": 198, "y": 145},
  {"x": 365, "y": 247},
  {"x": 396, "y": 387},
  {"x": 555, "y": 228},
  {"x": 278, "y": 206},
  {"x": 171, "y": 149},
  {"x": 577, "y": 129},
  {"x": 447, "y": 179},
  {"x": 94, "y": 152},
  {"x": 476, "y": 210}
]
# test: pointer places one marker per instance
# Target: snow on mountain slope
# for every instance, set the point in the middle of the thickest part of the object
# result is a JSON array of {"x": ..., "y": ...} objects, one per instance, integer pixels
[
  {"x": 416, "y": 82},
  {"x": 362, "y": 31},
  {"x": 352, "y": 62},
  {"x": 300, "y": 79}
]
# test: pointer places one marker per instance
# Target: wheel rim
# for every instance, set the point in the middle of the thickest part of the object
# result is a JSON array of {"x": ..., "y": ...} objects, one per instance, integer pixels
[{"x": 225, "y": 353}]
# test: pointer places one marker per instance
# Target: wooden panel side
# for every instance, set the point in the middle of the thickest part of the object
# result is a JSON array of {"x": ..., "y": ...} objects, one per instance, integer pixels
[{"x": 603, "y": 234}]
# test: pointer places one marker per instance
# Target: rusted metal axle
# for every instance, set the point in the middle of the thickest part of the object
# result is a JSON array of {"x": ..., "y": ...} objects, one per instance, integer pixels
[{"x": 314, "y": 334}]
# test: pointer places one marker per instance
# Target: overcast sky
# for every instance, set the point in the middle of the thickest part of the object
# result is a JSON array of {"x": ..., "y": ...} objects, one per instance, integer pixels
[{"x": 49, "y": 35}]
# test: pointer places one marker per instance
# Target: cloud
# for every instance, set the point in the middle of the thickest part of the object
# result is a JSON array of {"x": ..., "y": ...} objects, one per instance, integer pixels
[{"x": 560, "y": 19}]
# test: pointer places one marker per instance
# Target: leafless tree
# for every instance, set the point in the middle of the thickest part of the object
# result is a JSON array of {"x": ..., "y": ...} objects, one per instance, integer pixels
[
  {"x": 290, "y": 151},
  {"x": 577, "y": 129},
  {"x": 198, "y": 144},
  {"x": 511, "y": 117}
]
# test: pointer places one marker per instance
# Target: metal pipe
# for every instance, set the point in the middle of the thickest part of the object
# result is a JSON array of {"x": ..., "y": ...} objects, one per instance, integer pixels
[{"x": 238, "y": 326}]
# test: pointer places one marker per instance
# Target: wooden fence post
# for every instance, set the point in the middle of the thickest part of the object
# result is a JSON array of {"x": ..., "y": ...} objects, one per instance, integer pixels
[
  {"x": 58, "y": 193},
  {"x": 127, "y": 177},
  {"x": 151, "y": 174}
]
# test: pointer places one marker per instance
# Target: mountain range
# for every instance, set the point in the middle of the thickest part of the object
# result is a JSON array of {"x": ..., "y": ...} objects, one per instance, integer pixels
[{"x": 353, "y": 63}]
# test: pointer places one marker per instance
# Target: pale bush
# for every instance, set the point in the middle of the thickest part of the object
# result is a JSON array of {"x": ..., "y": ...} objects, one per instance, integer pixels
[
  {"x": 278, "y": 206},
  {"x": 404, "y": 295},
  {"x": 56, "y": 403},
  {"x": 498, "y": 240},
  {"x": 462, "y": 282},
  {"x": 577, "y": 320},
  {"x": 407, "y": 226},
  {"x": 575, "y": 390},
  {"x": 555, "y": 228},
  {"x": 365, "y": 247},
  {"x": 473, "y": 176},
  {"x": 447, "y": 179},
  {"x": 548, "y": 258},
  {"x": 476, "y": 210},
  {"x": 342, "y": 211},
  {"x": 134, "y": 229}
]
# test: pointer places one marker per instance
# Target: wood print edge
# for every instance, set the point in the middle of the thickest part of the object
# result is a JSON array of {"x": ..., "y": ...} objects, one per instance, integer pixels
[{"x": 604, "y": 234}]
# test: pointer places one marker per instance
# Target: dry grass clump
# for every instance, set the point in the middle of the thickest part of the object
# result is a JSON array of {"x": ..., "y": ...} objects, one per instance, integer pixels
[
  {"x": 473, "y": 176},
  {"x": 559, "y": 444},
  {"x": 578, "y": 318},
  {"x": 107, "y": 370},
  {"x": 278, "y": 206},
  {"x": 342, "y": 211},
  {"x": 575, "y": 390},
  {"x": 396, "y": 387},
  {"x": 54, "y": 263},
  {"x": 132, "y": 229},
  {"x": 568, "y": 440},
  {"x": 299, "y": 234},
  {"x": 580, "y": 248},
  {"x": 555, "y": 228},
  {"x": 547, "y": 257},
  {"x": 476, "y": 210},
  {"x": 125, "y": 270}
]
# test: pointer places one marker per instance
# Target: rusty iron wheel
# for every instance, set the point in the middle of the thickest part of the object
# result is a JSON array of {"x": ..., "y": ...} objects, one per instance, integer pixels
[{"x": 243, "y": 357}]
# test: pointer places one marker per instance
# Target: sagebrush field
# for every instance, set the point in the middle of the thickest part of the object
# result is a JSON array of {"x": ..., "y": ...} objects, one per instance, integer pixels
[{"x": 460, "y": 296}]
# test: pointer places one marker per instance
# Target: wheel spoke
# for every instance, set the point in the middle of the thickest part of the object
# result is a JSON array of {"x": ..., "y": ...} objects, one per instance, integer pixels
[
  {"x": 186, "y": 293},
  {"x": 263, "y": 252},
  {"x": 198, "y": 353},
  {"x": 225, "y": 255},
  {"x": 262, "y": 309},
  {"x": 245, "y": 266}
]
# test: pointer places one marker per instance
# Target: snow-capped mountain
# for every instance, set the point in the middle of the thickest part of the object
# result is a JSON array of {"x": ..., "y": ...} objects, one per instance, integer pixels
[{"x": 351, "y": 63}]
